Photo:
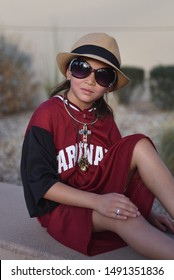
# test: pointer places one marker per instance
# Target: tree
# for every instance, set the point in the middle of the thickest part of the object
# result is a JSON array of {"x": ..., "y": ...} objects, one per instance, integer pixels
[
  {"x": 136, "y": 75},
  {"x": 17, "y": 86},
  {"x": 162, "y": 87}
]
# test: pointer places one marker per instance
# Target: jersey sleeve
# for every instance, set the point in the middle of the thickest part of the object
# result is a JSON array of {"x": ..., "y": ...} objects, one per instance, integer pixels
[{"x": 38, "y": 169}]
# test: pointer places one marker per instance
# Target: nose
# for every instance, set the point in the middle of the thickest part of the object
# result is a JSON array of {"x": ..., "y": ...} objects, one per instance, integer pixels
[{"x": 91, "y": 79}]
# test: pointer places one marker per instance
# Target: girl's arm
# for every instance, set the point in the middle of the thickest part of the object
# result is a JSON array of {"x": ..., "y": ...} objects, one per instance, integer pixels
[{"x": 105, "y": 204}]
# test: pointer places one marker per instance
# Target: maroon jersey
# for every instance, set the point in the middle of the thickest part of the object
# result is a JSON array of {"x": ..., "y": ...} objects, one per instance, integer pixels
[{"x": 51, "y": 151}]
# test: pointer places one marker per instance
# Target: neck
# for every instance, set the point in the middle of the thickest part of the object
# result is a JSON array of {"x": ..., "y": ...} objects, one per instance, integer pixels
[{"x": 82, "y": 105}]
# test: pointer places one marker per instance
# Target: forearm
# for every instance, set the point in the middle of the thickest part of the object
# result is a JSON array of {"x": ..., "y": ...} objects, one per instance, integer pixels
[
  {"x": 67, "y": 195},
  {"x": 104, "y": 204}
]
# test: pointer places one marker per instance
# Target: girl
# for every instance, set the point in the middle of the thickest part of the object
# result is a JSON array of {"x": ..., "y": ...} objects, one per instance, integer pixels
[{"x": 92, "y": 189}]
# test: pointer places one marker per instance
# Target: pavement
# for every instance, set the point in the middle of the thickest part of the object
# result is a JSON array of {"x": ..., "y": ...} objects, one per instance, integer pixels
[{"x": 22, "y": 237}]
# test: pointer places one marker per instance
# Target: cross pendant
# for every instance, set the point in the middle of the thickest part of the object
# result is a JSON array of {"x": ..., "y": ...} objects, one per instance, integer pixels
[{"x": 85, "y": 133}]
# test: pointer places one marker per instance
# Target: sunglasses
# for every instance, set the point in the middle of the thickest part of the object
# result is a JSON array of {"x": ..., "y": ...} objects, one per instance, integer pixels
[{"x": 81, "y": 69}]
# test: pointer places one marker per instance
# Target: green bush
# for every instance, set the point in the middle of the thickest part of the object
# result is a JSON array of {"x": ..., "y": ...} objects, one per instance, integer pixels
[
  {"x": 17, "y": 86},
  {"x": 136, "y": 76},
  {"x": 167, "y": 149},
  {"x": 162, "y": 87}
]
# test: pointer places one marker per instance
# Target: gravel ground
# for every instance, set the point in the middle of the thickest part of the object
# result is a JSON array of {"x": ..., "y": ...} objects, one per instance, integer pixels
[
  {"x": 142, "y": 118},
  {"x": 12, "y": 129}
]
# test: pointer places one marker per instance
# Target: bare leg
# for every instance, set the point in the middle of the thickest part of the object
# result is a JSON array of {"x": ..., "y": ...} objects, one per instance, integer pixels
[
  {"x": 154, "y": 174},
  {"x": 138, "y": 234}
]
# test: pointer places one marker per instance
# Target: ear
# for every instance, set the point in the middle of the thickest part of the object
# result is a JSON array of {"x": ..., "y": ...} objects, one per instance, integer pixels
[{"x": 68, "y": 74}]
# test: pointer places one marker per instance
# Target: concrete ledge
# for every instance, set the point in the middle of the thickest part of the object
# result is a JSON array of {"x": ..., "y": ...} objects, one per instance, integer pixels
[{"x": 23, "y": 238}]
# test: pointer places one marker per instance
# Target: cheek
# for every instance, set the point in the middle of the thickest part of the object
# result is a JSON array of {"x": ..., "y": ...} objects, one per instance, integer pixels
[
  {"x": 102, "y": 90},
  {"x": 74, "y": 81}
]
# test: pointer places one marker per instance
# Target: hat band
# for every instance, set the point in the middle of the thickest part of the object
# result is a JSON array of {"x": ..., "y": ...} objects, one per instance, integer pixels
[{"x": 96, "y": 50}]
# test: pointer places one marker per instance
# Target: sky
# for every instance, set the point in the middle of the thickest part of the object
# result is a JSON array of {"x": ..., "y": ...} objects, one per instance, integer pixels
[{"x": 144, "y": 29}]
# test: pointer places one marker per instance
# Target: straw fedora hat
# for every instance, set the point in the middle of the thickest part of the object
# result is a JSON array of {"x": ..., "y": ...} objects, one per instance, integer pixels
[{"x": 98, "y": 46}]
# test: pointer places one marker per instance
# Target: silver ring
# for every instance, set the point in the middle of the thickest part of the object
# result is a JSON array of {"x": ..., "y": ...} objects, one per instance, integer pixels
[{"x": 117, "y": 211}]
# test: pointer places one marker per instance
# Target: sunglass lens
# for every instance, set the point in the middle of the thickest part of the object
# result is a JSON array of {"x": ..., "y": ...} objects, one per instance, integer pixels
[
  {"x": 105, "y": 77},
  {"x": 80, "y": 69}
]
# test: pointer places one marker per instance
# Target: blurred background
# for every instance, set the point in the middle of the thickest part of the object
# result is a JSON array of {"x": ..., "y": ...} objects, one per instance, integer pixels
[{"x": 33, "y": 32}]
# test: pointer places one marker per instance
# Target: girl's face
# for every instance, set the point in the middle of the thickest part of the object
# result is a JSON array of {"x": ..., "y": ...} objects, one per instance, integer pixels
[{"x": 83, "y": 92}]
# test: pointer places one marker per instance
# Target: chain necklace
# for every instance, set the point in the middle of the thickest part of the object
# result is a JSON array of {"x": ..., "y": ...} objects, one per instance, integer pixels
[
  {"x": 84, "y": 123},
  {"x": 83, "y": 160}
]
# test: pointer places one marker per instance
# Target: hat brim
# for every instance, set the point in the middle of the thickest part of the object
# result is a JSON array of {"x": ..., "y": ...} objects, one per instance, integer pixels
[{"x": 64, "y": 58}]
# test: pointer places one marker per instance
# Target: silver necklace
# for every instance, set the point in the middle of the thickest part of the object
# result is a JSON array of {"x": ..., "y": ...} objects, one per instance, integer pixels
[
  {"x": 84, "y": 123},
  {"x": 83, "y": 162}
]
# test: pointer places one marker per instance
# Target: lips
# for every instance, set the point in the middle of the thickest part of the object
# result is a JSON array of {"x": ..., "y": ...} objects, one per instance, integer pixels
[{"x": 86, "y": 90}]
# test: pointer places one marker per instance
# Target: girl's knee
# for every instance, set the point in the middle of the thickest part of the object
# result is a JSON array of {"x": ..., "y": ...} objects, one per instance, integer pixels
[
  {"x": 142, "y": 149},
  {"x": 143, "y": 144}
]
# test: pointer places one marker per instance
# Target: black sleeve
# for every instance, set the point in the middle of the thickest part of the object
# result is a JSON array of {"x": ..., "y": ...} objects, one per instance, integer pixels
[{"x": 38, "y": 170}]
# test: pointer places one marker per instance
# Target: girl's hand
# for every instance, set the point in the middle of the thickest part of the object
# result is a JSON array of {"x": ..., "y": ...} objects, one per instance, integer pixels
[
  {"x": 117, "y": 206},
  {"x": 162, "y": 222}
]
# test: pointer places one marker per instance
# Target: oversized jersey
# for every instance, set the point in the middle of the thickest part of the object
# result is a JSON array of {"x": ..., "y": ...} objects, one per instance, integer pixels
[
  {"x": 51, "y": 150},
  {"x": 50, "y": 154}
]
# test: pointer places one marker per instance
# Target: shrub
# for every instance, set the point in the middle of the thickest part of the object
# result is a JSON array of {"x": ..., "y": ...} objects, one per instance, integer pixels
[
  {"x": 136, "y": 75},
  {"x": 17, "y": 86},
  {"x": 162, "y": 87},
  {"x": 167, "y": 151}
]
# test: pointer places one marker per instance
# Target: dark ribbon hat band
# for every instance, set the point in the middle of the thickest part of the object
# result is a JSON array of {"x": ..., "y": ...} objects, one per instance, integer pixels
[{"x": 95, "y": 50}]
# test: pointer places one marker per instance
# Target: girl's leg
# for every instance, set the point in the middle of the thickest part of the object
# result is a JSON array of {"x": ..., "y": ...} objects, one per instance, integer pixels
[
  {"x": 138, "y": 234},
  {"x": 154, "y": 174}
]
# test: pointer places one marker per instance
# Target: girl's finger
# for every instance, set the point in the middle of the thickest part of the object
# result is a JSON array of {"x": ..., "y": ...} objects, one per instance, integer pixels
[{"x": 121, "y": 213}]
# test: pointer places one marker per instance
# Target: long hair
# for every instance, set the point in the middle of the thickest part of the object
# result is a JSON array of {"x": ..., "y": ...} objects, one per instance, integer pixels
[{"x": 102, "y": 107}]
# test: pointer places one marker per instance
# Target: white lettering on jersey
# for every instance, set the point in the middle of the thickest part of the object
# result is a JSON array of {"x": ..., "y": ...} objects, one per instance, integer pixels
[
  {"x": 61, "y": 162},
  {"x": 98, "y": 155},
  {"x": 71, "y": 153},
  {"x": 67, "y": 157}
]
